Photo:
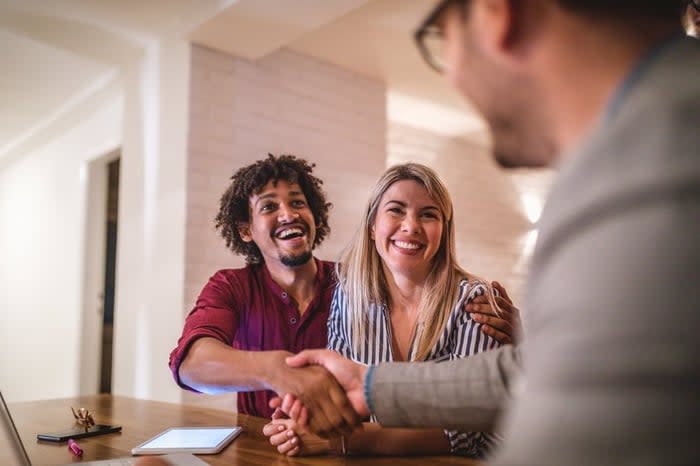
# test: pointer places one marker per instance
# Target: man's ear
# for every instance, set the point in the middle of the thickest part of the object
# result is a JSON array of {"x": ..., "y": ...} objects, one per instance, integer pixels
[
  {"x": 493, "y": 20},
  {"x": 500, "y": 26},
  {"x": 244, "y": 232}
]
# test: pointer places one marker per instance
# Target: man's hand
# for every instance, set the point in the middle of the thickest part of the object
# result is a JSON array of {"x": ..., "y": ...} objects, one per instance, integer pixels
[
  {"x": 350, "y": 375},
  {"x": 329, "y": 412},
  {"x": 507, "y": 328}
]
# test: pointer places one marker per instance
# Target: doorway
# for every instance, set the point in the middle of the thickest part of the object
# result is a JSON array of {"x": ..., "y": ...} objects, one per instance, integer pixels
[
  {"x": 111, "y": 229},
  {"x": 101, "y": 230}
]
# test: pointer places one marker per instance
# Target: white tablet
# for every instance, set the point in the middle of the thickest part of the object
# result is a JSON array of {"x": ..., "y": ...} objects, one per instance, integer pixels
[{"x": 201, "y": 440}]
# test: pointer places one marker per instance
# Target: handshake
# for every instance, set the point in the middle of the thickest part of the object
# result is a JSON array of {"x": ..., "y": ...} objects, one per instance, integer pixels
[{"x": 323, "y": 393}]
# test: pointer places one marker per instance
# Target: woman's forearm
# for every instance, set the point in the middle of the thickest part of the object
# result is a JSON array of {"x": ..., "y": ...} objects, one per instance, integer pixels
[{"x": 377, "y": 440}]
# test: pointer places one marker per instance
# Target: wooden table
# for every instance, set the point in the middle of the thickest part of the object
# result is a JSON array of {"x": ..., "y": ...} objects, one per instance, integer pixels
[{"x": 141, "y": 419}]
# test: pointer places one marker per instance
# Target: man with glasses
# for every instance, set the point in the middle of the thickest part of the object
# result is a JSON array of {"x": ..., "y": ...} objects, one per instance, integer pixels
[{"x": 608, "y": 91}]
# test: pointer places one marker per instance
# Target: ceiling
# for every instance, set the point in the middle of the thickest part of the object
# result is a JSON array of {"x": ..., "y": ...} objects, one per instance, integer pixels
[
  {"x": 373, "y": 38},
  {"x": 58, "y": 51},
  {"x": 376, "y": 40},
  {"x": 61, "y": 57}
]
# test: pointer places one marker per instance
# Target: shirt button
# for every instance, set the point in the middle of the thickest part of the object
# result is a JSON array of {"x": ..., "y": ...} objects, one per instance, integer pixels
[
  {"x": 293, "y": 320},
  {"x": 284, "y": 295}
]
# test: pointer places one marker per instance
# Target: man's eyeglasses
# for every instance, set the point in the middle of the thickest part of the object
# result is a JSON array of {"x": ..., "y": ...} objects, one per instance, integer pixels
[{"x": 429, "y": 36}]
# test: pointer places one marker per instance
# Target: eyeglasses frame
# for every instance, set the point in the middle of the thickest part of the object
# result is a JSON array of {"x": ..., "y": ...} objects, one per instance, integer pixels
[{"x": 427, "y": 28}]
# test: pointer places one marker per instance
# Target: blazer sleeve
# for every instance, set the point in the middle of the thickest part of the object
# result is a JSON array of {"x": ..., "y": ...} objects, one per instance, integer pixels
[{"x": 465, "y": 394}]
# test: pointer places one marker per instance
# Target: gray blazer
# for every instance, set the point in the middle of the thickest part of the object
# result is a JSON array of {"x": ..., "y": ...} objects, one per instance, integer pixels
[{"x": 611, "y": 358}]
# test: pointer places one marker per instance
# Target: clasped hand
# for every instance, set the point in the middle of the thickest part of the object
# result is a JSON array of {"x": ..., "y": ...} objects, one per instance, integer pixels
[
  {"x": 294, "y": 419},
  {"x": 313, "y": 387}
]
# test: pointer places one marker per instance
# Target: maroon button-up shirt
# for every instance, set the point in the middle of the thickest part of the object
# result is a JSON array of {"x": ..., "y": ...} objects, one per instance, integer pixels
[{"x": 247, "y": 310}]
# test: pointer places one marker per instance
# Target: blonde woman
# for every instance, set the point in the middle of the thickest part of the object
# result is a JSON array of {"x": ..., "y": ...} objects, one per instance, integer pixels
[{"x": 400, "y": 297}]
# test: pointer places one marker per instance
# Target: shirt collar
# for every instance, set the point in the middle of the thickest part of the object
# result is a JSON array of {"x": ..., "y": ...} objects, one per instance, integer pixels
[
  {"x": 636, "y": 73},
  {"x": 280, "y": 293}
]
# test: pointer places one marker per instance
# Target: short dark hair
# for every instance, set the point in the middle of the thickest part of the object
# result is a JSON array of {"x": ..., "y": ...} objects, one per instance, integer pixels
[
  {"x": 234, "y": 207},
  {"x": 617, "y": 9}
]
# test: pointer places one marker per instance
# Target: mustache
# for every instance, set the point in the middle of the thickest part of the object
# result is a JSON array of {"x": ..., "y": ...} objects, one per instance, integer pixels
[{"x": 297, "y": 223}]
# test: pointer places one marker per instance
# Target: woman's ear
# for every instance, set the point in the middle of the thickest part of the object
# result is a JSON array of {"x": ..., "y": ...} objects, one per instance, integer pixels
[
  {"x": 244, "y": 232},
  {"x": 371, "y": 232}
]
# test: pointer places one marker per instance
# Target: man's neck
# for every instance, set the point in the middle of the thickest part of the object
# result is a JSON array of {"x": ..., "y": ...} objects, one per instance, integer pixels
[
  {"x": 580, "y": 72},
  {"x": 298, "y": 282}
]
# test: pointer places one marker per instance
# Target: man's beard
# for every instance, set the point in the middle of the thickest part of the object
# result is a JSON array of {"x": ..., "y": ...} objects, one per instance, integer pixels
[
  {"x": 521, "y": 144},
  {"x": 296, "y": 260},
  {"x": 512, "y": 106}
]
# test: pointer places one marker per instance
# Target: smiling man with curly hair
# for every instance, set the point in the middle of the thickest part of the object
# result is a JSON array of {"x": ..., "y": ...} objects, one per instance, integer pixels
[
  {"x": 247, "y": 320},
  {"x": 250, "y": 181}
]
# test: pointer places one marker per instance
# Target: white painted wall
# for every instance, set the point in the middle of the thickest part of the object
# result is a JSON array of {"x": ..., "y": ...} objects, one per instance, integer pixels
[
  {"x": 150, "y": 244},
  {"x": 43, "y": 239},
  {"x": 42, "y": 220}
]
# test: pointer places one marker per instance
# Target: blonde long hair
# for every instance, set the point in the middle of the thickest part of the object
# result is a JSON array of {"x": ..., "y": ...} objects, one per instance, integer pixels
[{"x": 361, "y": 275}]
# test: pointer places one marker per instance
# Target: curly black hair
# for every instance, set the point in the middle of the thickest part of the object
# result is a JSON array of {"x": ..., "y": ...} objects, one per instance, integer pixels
[{"x": 250, "y": 180}]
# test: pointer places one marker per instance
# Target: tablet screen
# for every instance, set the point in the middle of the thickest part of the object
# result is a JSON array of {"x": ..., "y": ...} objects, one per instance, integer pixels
[{"x": 189, "y": 439}]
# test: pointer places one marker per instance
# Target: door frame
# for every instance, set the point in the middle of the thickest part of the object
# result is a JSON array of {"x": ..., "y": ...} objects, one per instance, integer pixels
[{"x": 90, "y": 346}]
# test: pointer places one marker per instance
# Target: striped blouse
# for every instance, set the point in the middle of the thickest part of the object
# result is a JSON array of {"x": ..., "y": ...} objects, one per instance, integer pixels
[{"x": 461, "y": 337}]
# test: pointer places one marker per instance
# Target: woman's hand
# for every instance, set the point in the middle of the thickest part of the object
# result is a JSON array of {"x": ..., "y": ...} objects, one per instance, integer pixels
[
  {"x": 285, "y": 435},
  {"x": 506, "y": 328}
]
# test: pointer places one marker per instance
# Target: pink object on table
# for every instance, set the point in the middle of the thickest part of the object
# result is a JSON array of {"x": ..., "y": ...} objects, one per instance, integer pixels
[{"x": 74, "y": 447}]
